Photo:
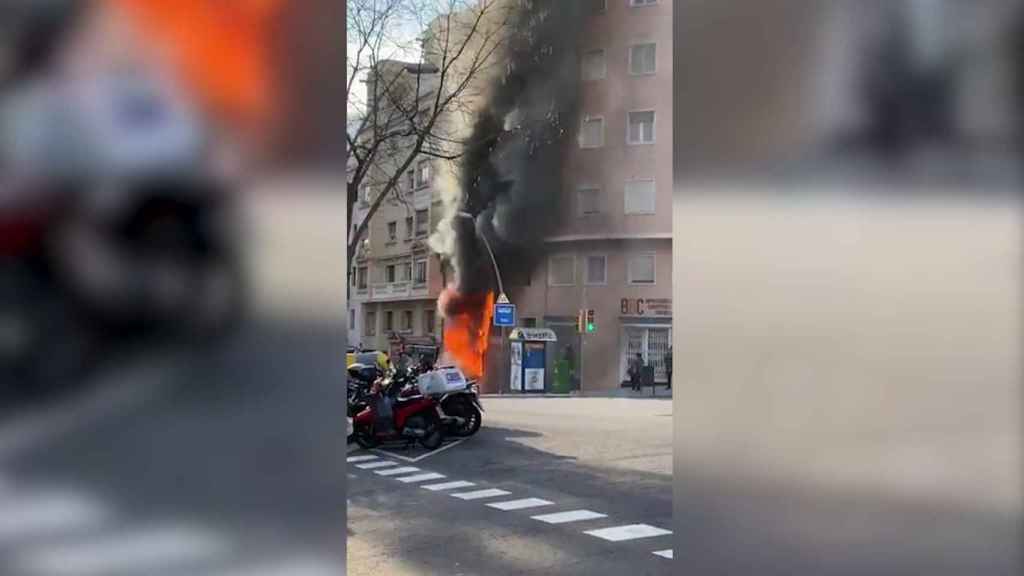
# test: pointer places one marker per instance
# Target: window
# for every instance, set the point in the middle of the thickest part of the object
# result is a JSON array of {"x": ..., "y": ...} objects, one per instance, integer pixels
[
  {"x": 407, "y": 320},
  {"x": 420, "y": 276},
  {"x": 562, "y": 271},
  {"x": 423, "y": 173},
  {"x": 365, "y": 199},
  {"x": 371, "y": 324},
  {"x": 355, "y": 274},
  {"x": 640, "y": 195},
  {"x": 642, "y": 59},
  {"x": 589, "y": 201},
  {"x": 389, "y": 273},
  {"x": 389, "y": 321},
  {"x": 642, "y": 2},
  {"x": 428, "y": 321},
  {"x": 596, "y": 270},
  {"x": 392, "y": 230},
  {"x": 594, "y": 66},
  {"x": 406, "y": 274},
  {"x": 422, "y": 222},
  {"x": 641, "y": 269},
  {"x": 410, "y": 179},
  {"x": 408, "y": 227},
  {"x": 352, "y": 319},
  {"x": 641, "y": 127},
  {"x": 361, "y": 277},
  {"x": 592, "y": 132}
]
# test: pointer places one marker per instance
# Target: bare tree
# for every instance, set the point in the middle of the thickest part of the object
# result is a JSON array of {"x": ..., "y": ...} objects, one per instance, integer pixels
[{"x": 413, "y": 109}]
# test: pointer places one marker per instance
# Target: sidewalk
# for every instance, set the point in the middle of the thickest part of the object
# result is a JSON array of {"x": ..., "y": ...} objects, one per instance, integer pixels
[{"x": 659, "y": 392}]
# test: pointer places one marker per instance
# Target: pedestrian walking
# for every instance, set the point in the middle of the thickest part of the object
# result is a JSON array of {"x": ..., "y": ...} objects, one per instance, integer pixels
[
  {"x": 636, "y": 369},
  {"x": 668, "y": 368}
]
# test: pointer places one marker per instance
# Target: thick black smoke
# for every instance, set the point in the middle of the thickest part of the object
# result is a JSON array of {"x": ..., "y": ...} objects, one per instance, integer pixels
[{"x": 512, "y": 171}]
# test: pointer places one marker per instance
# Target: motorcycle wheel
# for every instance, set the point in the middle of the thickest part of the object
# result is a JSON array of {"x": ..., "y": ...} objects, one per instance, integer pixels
[
  {"x": 435, "y": 436},
  {"x": 465, "y": 409},
  {"x": 364, "y": 437}
]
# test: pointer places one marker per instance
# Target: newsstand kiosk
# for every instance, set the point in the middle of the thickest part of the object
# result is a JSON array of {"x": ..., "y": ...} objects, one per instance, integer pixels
[{"x": 528, "y": 359}]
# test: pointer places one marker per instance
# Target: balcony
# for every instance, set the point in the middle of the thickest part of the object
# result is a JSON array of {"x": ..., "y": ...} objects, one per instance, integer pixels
[{"x": 397, "y": 291}]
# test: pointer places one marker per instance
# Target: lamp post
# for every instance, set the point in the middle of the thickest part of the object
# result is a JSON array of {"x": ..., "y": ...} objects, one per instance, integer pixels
[{"x": 497, "y": 274}]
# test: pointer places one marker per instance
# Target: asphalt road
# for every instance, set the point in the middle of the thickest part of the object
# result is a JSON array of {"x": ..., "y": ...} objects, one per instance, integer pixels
[{"x": 603, "y": 464}]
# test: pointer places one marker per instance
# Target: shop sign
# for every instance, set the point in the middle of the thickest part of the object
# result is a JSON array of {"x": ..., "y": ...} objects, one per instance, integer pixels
[{"x": 646, "y": 307}]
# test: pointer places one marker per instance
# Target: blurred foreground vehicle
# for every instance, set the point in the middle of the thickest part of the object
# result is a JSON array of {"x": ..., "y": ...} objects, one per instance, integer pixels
[{"x": 113, "y": 216}]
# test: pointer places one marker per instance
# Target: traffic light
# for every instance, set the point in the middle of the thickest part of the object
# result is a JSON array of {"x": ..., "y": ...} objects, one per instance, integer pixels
[
  {"x": 581, "y": 319},
  {"x": 591, "y": 326}
]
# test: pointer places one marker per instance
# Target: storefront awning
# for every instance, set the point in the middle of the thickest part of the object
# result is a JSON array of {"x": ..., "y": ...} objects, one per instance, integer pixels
[{"x": 533, "y": 334}]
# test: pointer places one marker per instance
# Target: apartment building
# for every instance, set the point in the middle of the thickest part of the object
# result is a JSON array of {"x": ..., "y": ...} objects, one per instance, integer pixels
[
  {"x": 396, "y": 280},
  {"x": 613, "y": 253}
]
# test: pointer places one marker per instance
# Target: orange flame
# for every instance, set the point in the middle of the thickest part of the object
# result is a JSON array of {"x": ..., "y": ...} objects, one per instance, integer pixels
[{"x": 467, "y": 329}]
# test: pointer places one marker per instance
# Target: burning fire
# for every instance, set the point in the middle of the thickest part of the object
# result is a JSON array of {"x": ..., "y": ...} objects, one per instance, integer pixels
[{"x": 467, "y": 328}]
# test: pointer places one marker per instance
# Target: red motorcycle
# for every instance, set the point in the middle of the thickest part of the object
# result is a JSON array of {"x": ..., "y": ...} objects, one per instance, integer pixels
[{"x": 396, "y": 413}]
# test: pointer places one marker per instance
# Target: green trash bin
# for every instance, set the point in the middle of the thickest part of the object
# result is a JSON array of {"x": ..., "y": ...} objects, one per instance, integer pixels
[{"x": 562, "y": 383}]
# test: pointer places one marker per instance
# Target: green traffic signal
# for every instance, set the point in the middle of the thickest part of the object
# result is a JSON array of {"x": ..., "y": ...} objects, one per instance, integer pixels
[{"x": 590, "y": 327}]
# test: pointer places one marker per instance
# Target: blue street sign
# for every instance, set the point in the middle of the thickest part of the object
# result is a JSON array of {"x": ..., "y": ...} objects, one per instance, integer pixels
[{"x": 504, "y": 314}]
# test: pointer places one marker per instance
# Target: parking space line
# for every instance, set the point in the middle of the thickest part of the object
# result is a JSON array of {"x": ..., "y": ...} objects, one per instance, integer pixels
[
  {"x": 421, "y": 477},
  {"x": 520, "y": 504},
  {"x": 570, "y": 516},
  {"x": 628, "y": 532},
  {"x": 360, "y": 458},
  {"x": 399, "y": 470},
  {"x": 449, "y": 485},
  {"x": 664, "y": 553},
  {"x": 372, "y": 465},
  {"x": 478, "y": 494}
]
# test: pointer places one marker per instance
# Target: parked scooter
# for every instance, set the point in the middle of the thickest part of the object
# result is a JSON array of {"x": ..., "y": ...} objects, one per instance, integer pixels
[
  {"x": 393, "y": 416},
  {"x": 458, "y": 398}
]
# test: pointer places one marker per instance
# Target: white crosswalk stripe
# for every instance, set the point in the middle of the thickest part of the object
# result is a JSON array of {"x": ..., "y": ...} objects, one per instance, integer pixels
[
  {"x": 396, "y": 471},
  {"x": 144, "y": 551},
  {"x": 372, "y": 465},
  {"x": 421, "y": 477},
  {"x": 449, "y": 485},
  {"x": 34, "y": 515},
  {"x": 628, "y": 532},
  {"x": 570, "y": 516},
  {"x": 361, "y": 458},
  {"x": 664, "y": 554},
  {"x": 520, "y": 504},
  {"x": 478, "y": 494}
]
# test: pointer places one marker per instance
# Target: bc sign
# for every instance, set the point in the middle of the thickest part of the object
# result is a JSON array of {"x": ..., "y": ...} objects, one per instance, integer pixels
[{"x": 504, "y": 314}]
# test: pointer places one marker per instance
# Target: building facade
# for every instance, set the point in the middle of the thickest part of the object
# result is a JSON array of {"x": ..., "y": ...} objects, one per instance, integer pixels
[{"x": 613, "y": 253}]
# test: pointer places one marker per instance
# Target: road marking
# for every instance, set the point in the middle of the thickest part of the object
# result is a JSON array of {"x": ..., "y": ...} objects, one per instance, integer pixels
[
  {"x": 400, "y": 470},
  {"x": 570, "y": 516},
  {"x": 144, "y": 551},
  {"x": 449, "y": 485},
  {"x": 478, "y": 494},
  {"x": 421, "y": 477},
  {"x": 372, "y": 465},
  {"x": 360, "y": 458},
  {"x": 629, "y": 532},
  {"x": 520, "y": 504},
  {"x": 33, "y": 515},
  {"x": 422, "y": 456},
  {"x": 664, "y": 554}
]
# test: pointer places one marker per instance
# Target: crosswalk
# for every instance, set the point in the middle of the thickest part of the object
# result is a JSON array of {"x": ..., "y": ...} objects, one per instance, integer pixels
[
  {"x": 63, "y": 531},
  {"x": 495, "y": 498}
]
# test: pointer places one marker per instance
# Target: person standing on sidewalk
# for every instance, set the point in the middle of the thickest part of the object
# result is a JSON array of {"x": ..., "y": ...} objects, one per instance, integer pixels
[
  {"x": 668, "y": 368},
  {"x": 636, "y": 369}
]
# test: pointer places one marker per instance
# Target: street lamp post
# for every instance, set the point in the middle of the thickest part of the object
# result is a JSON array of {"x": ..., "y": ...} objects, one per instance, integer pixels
[{"x": 497, "y": 274}]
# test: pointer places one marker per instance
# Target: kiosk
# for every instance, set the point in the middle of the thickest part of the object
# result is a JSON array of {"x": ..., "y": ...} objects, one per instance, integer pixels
[{"x": 528, "y": 359}]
